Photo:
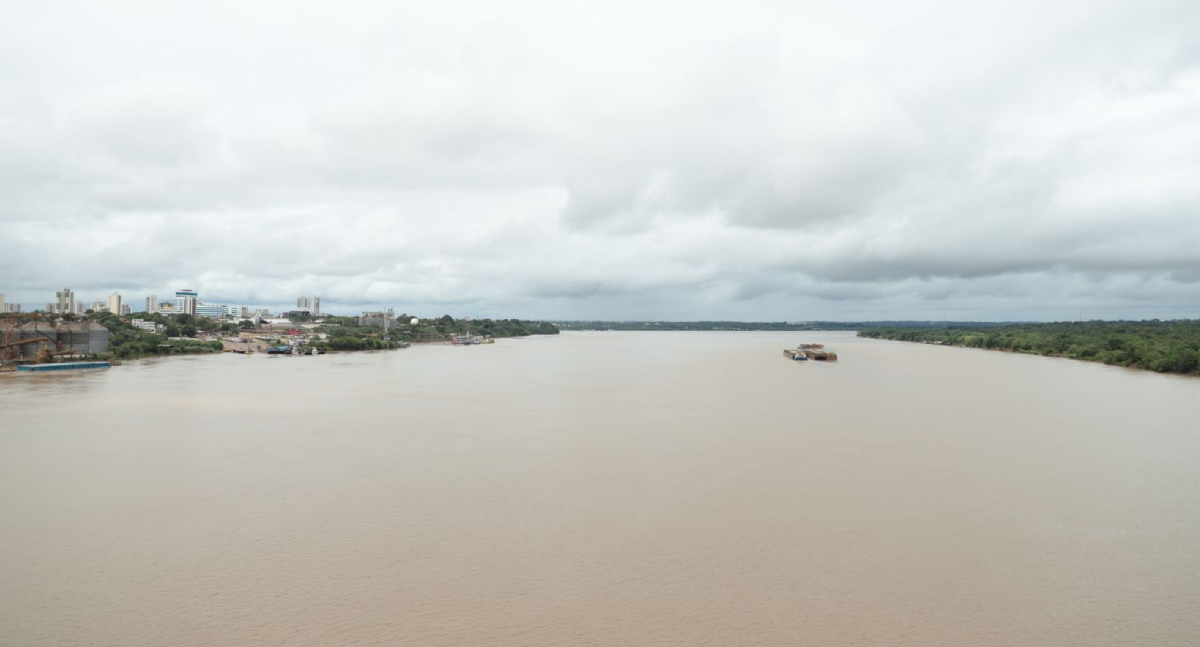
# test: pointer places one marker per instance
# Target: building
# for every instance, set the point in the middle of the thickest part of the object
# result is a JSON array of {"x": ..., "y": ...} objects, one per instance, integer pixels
[
  {"x": 79, "y": 308},
  {"x": 64, "y": 301},
  {"x": 125, "y": 309},
  {"x": 51, "y": 307},
  {"x": 215, "y": 311},
  {"x": 12, "y": 307},
  {"x": 311, "y": 305},
  {"x": 2, "y": 307},
  {"x": 114, "y": 303},
  {"x": 385, "y": 319},
  {"x": 152, "y": 304},
  {"x": 209, "y": 310},
  {"x": 167, "y": 309},
  {"x": 186, "y": 300},
  {"x": 148, "y": 326},
  {"x": 99, "y": 306}
]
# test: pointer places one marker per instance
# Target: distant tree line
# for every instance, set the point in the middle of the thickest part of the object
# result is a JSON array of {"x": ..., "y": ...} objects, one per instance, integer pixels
[
  {"x": 1163, "y": 346},
  {"x": 448, "y": 325},
  {"x": 127, "y": 342},
  {"x": 754, "y": 325},
  {"x": 345, "y": 333}
]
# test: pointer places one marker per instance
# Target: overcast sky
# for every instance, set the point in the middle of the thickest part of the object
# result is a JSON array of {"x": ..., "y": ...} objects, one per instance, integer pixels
[{"x": 764, "y": 161}]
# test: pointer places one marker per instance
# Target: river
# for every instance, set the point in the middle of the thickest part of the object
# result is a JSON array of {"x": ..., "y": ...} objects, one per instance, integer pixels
[{"x": 602, "y": 489}]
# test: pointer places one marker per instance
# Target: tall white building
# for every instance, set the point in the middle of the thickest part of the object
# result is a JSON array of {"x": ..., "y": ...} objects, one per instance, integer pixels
[
  {"x": 3, "y": 308},
  {"x": 114, "y": 303},
  {"x": 65, "y": 301},
  {"x": 151, "y": 304},
  {"x": 98, "y": 306},
  {"x": 311, "y": 304},
  {"x": 185, "y": 301}
]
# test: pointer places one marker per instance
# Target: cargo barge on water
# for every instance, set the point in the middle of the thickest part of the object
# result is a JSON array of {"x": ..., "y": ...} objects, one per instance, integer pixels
[
  {"x": 64, "y": 366},
  {"x": 805, "y": 352}
]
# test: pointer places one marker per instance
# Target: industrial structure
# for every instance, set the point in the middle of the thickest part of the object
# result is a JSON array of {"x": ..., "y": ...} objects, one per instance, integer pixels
[{"x": 39, "y": 340}]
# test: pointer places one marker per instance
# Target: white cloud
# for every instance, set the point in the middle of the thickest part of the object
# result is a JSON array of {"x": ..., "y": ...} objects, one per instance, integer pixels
[{"x": 764, "y": 160}]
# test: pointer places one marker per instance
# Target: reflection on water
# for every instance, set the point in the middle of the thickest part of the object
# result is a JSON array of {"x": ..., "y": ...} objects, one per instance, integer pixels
[{"x": 601, "y": 488}]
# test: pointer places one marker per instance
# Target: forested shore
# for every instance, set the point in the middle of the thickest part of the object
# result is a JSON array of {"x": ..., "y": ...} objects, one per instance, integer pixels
[{"x": 1162, "y": 346}]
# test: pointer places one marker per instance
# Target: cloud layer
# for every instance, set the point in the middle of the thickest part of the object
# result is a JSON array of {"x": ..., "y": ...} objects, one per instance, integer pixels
[{"x": 642, "y": 160}]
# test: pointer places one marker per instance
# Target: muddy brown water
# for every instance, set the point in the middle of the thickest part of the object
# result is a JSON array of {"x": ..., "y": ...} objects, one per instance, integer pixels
[{"x": 602, "y": 489}]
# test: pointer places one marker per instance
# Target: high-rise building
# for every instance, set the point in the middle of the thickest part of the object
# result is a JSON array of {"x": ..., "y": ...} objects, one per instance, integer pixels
[
  {"x": 114, "y": 303},
  {"x": 99, "y": 306},
  {"x": 79, "y": 308},
  {"x": 2, "y": 308},
  {"x": 311, "y": 304},
  {"x": 185, "y": 301},
  {"x": 151, "y": 304},
  {"x": 125, "y": 309},
  {"x": 51, "y": 307},
  {"x": 65, "y": 301},
  {"x": 12, "y": 307}
]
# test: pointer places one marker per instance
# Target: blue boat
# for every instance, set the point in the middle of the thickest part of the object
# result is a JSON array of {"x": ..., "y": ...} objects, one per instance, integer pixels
[{"x": 64, "y": 366}]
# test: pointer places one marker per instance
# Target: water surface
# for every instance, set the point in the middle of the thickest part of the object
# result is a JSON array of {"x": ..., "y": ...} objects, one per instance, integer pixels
[{"x": 602, "y": 489}]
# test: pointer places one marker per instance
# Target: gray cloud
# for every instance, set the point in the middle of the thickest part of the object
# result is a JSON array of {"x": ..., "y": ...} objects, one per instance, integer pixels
[{"x": 764, "y": 161}]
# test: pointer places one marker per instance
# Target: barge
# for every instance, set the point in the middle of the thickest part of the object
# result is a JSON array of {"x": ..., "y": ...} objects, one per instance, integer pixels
[
  {"x": 806, "y": 352},
  {"x": 63, "y": 366}
]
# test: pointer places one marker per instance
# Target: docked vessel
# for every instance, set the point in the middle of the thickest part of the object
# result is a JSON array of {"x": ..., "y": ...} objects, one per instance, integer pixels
[{"x": 63, "y": 366}]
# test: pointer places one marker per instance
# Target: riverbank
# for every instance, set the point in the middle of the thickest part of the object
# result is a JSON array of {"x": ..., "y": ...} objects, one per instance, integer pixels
[{"x": 1159, "y": 346}]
